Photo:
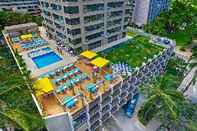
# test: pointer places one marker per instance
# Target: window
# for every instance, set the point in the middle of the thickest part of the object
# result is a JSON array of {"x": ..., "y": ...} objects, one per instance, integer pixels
[
  {"x": 94, "y": 45},
  {"x": 71, "y": 10},
  {"x": 74, "y": 21},
  {"x": 74, "y": 31}
]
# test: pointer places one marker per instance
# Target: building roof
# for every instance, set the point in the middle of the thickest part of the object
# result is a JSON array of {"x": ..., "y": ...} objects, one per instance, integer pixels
[
  {"x": 42, "y": 86},
  {"x": 88, "y": 54},
  {"x": 19, "y": 26},
  {"x": 100, "y": 62}
]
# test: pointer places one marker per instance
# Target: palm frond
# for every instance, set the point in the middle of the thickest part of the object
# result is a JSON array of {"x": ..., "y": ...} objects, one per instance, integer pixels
[
  {"x": 21, "y": 119},
  {"x": 15, "y": 119},
  {"x": 192, "y": 126},
  {"x": 146, "y": 109},
  {"x": 169, "y": 104},
  {"x": 175, "y": 94}
]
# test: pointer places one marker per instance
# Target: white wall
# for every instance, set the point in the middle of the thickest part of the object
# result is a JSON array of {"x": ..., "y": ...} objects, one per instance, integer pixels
[{"x": 141, "y": 12}]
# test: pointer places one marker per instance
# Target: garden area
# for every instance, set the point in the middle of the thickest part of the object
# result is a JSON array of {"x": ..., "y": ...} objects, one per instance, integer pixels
[{"x": 133, "y": 52}]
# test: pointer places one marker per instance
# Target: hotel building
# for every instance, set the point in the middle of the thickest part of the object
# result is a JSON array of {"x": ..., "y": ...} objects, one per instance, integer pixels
[{"x": 86, "y": 24}]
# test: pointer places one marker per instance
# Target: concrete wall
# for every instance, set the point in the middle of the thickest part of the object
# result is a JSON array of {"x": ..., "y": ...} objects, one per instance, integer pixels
[
  {"x": 141, "y": 12},
  {"x": 60, "y": 122}
]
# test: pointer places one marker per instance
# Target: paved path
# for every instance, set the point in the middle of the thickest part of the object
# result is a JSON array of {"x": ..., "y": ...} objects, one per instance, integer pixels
[
  {"x": 187, "y": 80},
  {"x": 187, "y": 86},
  {"x": 120, "y": 122}
]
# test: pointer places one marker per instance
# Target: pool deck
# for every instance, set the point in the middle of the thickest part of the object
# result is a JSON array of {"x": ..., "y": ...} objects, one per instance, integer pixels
[{"x": 35, "y": 71}]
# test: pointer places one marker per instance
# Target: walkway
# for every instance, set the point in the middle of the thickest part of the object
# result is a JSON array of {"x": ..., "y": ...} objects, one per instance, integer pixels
[
  {"x": 189, "y": 85},
  {"x": 187, "y": 80}
]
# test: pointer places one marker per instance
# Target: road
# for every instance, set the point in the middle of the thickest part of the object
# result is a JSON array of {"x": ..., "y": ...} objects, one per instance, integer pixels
[{"x": 120, "y": 122}]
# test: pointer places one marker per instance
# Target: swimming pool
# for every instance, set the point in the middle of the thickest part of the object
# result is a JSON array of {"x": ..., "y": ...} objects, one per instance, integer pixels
[{"x": 46, "y": 59}]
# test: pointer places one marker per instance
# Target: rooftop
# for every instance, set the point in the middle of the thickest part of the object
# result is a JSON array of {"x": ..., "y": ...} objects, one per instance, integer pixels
[
  {"x": 19, "y": 26},
  {"x": 74, "y": 85},
  {"x": 38, "y": 53}
]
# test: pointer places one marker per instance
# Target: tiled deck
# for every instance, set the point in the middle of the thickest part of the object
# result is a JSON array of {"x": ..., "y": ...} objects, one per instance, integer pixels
[
  {"x": 52, "y": 104},
  {"x": 35, "y": 71}
]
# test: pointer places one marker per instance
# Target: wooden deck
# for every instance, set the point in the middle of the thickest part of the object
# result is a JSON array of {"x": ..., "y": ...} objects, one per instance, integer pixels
[{"x": 51, "y": 104}]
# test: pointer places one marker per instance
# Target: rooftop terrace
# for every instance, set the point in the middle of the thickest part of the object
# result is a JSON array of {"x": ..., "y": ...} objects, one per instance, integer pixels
[
  {"x": 75, "y": 85},
  {"x": 133, "y": 52},
  {"x": 39, "y": 54}
]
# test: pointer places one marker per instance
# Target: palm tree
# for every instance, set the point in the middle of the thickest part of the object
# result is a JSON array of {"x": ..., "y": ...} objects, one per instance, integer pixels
[
  {"x": 16, "y": 118},
  {"x": 193, "y": 60},
  {"x": 186, "y": 121},
  {"x": 161, "y": 101}
]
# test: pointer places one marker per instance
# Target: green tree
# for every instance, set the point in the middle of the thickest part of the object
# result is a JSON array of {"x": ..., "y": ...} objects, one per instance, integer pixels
[
  {"x": 180, "y": 19},
  {"x": 12, "y": 18},
  {"x": 167, "y": 105},
  {"x": 161, "y": 99},
  {"x": 17, "y": 108}
]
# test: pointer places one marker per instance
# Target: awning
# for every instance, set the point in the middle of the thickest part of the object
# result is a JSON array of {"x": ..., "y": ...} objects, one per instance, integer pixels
[
  {"x": 88, "y": 54},
  {"x": 43, "y": 86},
  {"x": 99, "y": 62}
]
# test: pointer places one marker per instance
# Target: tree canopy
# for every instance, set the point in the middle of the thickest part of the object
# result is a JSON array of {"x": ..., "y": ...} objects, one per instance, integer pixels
[
  {"x": 12, "y": 18},
  {"x": 164, "y": 103},
  {"x": 180, "y": 20},
  {"x": 16, "y": 105}
]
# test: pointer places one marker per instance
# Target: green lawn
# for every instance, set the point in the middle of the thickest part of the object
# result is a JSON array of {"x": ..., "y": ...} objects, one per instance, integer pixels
[
  {"x": 134, "y": 52},
  {"x": 182, "y": 38}
]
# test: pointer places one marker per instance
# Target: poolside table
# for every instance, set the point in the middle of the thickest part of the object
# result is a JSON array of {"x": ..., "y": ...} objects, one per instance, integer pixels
[
  {"x": 60, "y": 89},
  {"x": 69, "y": 102},
  {"x": 91, "y": 87}
]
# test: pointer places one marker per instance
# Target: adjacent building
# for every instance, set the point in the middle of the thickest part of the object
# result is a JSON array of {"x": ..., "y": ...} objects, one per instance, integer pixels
[
  {"x": 27, "y": 6},
  {"x": 86, "y": 24},
  {"x": 146, "y": 10}
]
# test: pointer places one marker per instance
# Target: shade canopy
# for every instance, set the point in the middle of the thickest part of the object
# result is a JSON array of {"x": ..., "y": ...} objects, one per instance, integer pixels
[
  {"x": 88, "y": 54},
  {"x": 28, "y": 36},
  {"x": 43, "y": 86},
  {"x": 100, "y": 62}
]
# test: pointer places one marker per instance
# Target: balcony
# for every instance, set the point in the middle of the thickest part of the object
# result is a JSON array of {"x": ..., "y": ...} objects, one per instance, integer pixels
[
  {"x": 94, "y": 40},
  {"x": 74, "y": 36},
  {"x": 92, "y": 1},
  {"x": 94, "y": 22},
  {"x": 94, "y": 31},
  {"x": 94, "y": 12},
  {"x": 93, "y": 8}
]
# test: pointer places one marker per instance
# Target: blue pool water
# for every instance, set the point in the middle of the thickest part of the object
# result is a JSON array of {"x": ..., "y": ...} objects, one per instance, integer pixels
[
  {"x": 46, "y": 49},
  {"x": 46, "y": 59}
]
